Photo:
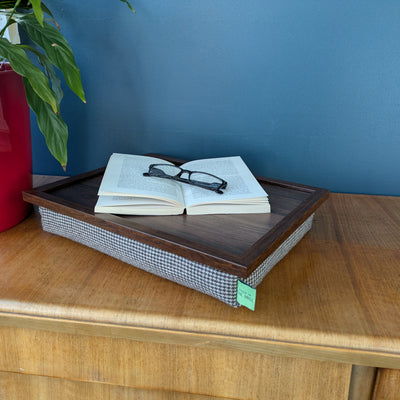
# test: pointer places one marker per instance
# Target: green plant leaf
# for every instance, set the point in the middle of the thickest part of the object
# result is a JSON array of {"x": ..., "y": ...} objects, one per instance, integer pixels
[
  {"x": 52, "y": 125},
  {"x": 7, "y": 5},
  {"x": 57, "y": 50},
  {"x": 9, "y": 22},
  {"x": 23, "y": 66},
  {"x": 37, "y": 9},
  {"x": 128, "y": 4},
  {"x": 46, "y": 10},
  {"x": 52, "y": 76}
]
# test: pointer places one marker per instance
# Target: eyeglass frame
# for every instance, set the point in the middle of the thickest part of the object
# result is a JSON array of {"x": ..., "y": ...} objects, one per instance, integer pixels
[{"x": 178, "y": 177}]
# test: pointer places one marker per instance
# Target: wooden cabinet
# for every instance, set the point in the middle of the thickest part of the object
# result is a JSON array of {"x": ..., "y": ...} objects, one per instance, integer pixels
[
  {"x": 165, "y": 370},
  {"x": 387, "y": 384},
  {"x": 77, "y": 324}
]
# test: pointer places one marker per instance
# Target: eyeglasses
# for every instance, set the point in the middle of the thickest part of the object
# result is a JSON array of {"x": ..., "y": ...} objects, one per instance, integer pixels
[{"x": 196, "y": 178}]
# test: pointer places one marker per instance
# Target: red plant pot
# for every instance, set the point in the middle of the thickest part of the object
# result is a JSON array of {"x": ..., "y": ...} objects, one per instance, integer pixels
[{"x": 15, "y": 148}]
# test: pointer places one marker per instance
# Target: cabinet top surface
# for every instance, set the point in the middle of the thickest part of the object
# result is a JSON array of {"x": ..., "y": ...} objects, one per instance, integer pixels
[{"x": 339, "y": 287}]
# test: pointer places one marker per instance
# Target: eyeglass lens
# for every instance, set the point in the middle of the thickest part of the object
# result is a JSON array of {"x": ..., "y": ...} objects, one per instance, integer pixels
[{"x": 202, "y": 179}]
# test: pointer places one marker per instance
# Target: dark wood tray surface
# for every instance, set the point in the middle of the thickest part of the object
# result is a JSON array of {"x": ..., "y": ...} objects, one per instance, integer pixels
[{"x": 234, "y": 243}]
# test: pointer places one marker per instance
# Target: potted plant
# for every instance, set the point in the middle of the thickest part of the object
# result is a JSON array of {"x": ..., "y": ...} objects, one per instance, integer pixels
[
  {"x": 42, "y": 86},
  {"x": 42, "y": 92}
]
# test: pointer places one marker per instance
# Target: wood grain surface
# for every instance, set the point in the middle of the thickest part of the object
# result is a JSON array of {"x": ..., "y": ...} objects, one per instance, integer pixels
[
  {"x": 332, "y": 302},
  {"x": 387, "y": 385},
  {"x": 233, "y": 243},
  {"x": 170, "y": 368},
  {"x": 336, "y": 293}
]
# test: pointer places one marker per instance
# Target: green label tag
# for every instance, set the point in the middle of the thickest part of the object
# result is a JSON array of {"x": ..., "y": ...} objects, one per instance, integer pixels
[{"x": 246, "y": 295}]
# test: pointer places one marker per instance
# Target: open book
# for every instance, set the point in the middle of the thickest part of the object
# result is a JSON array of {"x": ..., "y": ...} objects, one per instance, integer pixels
[{"x": 124, "y": 189}]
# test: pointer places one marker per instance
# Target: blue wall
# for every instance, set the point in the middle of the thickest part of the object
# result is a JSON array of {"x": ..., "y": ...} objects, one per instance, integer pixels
[{"x": 306, "y": 91}]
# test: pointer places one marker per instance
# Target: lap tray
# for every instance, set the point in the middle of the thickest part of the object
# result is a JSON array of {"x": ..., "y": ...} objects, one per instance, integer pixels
[{"x": 208, "y": 253}]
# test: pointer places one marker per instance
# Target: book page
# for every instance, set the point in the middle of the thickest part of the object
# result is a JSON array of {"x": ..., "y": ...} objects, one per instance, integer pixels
[
  {"x": 120, "y": 201},
  {"x": 124, "y": 177},
  {"x": 241, "y": 182}
]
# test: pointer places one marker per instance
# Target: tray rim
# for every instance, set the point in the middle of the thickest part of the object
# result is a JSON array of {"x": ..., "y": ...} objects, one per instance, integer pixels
[{"x": 240, "y": 265}]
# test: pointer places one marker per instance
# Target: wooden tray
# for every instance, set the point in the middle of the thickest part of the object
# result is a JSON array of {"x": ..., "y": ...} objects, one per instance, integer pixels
[{"x": 235, "y": 243}]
